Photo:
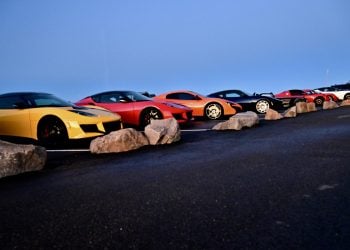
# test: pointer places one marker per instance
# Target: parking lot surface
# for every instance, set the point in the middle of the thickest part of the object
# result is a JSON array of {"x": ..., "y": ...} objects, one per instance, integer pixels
[{"x": 281, "y": 185}]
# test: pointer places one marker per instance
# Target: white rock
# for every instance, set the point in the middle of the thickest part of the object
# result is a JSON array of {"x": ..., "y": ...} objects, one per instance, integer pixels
[
  {"x": 18, "y": 158},
  {"x": 272, "y": 114},
  {"x": 238, "y": 121},
  {"x": 164, "y": 131},
  {"x": 119, "y": 141}
]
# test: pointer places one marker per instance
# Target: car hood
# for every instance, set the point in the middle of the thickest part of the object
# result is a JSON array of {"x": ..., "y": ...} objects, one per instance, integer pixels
[{"x": 93, "y": 110}]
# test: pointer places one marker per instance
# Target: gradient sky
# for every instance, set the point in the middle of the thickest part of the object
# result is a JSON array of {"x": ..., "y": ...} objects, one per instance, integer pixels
[{"x": 74, "y": 48}]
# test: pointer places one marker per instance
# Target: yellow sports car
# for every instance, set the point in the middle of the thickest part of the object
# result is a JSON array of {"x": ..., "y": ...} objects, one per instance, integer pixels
[{"x": 50, "y": 121}]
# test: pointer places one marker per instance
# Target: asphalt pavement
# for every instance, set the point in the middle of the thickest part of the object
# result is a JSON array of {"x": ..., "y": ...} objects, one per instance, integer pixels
[{"x": 280, "y": 185}]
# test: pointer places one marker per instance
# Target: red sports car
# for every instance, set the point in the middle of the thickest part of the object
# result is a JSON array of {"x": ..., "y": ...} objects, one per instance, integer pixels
[
  {"x": 331, "y": 96},
  {"x": 318, "y": 99},
  {"x": 137, "y": 109}
]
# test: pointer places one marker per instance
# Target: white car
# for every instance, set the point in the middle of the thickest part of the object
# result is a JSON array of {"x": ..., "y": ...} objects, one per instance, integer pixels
[{"x": 341, "y": 94}]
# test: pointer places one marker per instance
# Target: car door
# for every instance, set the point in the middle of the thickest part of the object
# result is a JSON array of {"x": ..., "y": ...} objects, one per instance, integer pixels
[
  {"x": 234, "y": 97},
  {"x": 120, "y": 104},
  {"x": 188, "y": 99},
  {"x": 14, "y": 117}
]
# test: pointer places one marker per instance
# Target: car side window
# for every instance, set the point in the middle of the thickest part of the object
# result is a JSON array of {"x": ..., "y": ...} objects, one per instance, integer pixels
[
  {"x": 296, "y": 92},
  {"x": 173, "y": 96},
  {"x": 110, "y": 98},
  {"x": 181, "y": 96},
  {"x": 130, "y": 96},
  {"x": 9, "y": 102},
  {"x": 232, "y": 95}
]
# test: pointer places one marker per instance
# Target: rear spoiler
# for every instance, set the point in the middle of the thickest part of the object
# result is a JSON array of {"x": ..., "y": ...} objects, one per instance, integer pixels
[{"x": 270, "y": 94}]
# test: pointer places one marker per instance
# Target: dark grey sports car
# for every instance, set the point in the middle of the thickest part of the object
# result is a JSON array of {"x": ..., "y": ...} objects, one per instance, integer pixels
[{"x": 259, "y": 103}]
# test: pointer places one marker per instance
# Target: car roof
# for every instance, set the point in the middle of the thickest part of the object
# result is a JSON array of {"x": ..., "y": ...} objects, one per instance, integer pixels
[
  {"x": 23, "y": 93},
  {"x": 113, "y": 91}
]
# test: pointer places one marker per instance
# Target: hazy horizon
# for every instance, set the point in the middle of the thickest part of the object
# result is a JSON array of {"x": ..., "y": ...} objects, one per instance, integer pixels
[{"x": 77, "y": 48}]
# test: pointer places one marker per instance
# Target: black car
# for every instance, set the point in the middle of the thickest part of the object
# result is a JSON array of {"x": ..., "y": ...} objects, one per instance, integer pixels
[
  {"x": 345, "y": 86},
  {"x": 259, "y": 103}
]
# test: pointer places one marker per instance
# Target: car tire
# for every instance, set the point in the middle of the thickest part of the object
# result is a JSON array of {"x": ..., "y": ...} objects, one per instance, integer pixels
[
  {"x": 318, "y": 101},
  {"x": 52, "y": 132},
  {"x": 262, "y": 106},
  {"x": 347, "y": 96},
  {"x": 213, "y": 111},
  {"x": 149, "y": 114}
]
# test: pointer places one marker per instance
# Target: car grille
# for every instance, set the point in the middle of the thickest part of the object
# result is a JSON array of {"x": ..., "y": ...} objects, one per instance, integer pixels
[
  {"x": 89, "y": 128},
  {"x": 112, "y": 126},
  {"x": 109, "y": 127}
]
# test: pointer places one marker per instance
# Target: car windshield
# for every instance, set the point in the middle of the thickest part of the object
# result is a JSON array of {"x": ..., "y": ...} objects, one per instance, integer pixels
[
  {"x": 136, "y": 97},
  {"x": 197, "y": 94},
  {"x": 309, "y": 92},
  {"x": 47, "y": 100},
  {"x": 244, "y": 94}
]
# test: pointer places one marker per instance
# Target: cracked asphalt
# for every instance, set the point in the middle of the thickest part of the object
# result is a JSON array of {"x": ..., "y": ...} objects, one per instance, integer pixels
[{"x": 281, "y": 185}]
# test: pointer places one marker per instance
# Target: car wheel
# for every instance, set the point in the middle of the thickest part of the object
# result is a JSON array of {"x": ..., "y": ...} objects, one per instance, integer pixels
[
  {"x": 52, "y": 132},
  {"x": 149, "y": 114},
  {"x": 213, "y": 111},
  {"x": 262, "y": 106},
  {"x": 347, "y": 97},
  {"x": 318, "y": 101}
]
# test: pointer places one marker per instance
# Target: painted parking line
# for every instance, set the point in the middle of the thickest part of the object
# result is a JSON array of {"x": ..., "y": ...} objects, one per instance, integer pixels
[
  {"x": 196, "y": 130},
  {"x": 68, "y": 150},
  {"x": 88, "y": 150},
  {"x": 343, "y": 116}
]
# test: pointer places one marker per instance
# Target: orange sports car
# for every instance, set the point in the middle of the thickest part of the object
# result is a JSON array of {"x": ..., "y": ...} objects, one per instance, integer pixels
[{"x": 202, "y": 106}]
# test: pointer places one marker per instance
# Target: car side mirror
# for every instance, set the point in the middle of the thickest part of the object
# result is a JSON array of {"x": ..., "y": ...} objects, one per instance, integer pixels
[
  {"x": 123, "y": 100},
  {"x": 20, "y": 105}
]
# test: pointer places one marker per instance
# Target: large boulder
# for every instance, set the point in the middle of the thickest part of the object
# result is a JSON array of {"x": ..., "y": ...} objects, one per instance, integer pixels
[
  {"x": 272, "y": 114},
  {"x": 164, "y": 131},
  {"x": 18, "y": 158},
  {"x": 330, "y": 105},
  {"x": 301, "y": 107},
  {"x": 311, "y": 107},
  {"x": 345, "y": 102},
  {"x": 238, "y": 121},
  {"x": 291, "y": 112},
  {"x": 119, "y": 141}
]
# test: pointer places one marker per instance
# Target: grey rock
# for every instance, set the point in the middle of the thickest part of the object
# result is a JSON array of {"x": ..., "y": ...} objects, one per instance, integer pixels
[
  {"x": 311, "y": 107},
  {"x": 238, "y": 121},
  {"x": 119, "y": 141},
  {"x": 18, "y": 158},
  {"x": 164, "y": 131},
  {"x": 272, "y": 114},
  {"x": 345, "y": 102},
  {"x": 330, "y": 105},
  {"x": 291, "y": 112},
  {"x": 301, "y": 107}
]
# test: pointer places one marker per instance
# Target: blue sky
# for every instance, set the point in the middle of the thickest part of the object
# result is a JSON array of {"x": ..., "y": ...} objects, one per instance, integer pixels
[{"x": 77, "y": 48}]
